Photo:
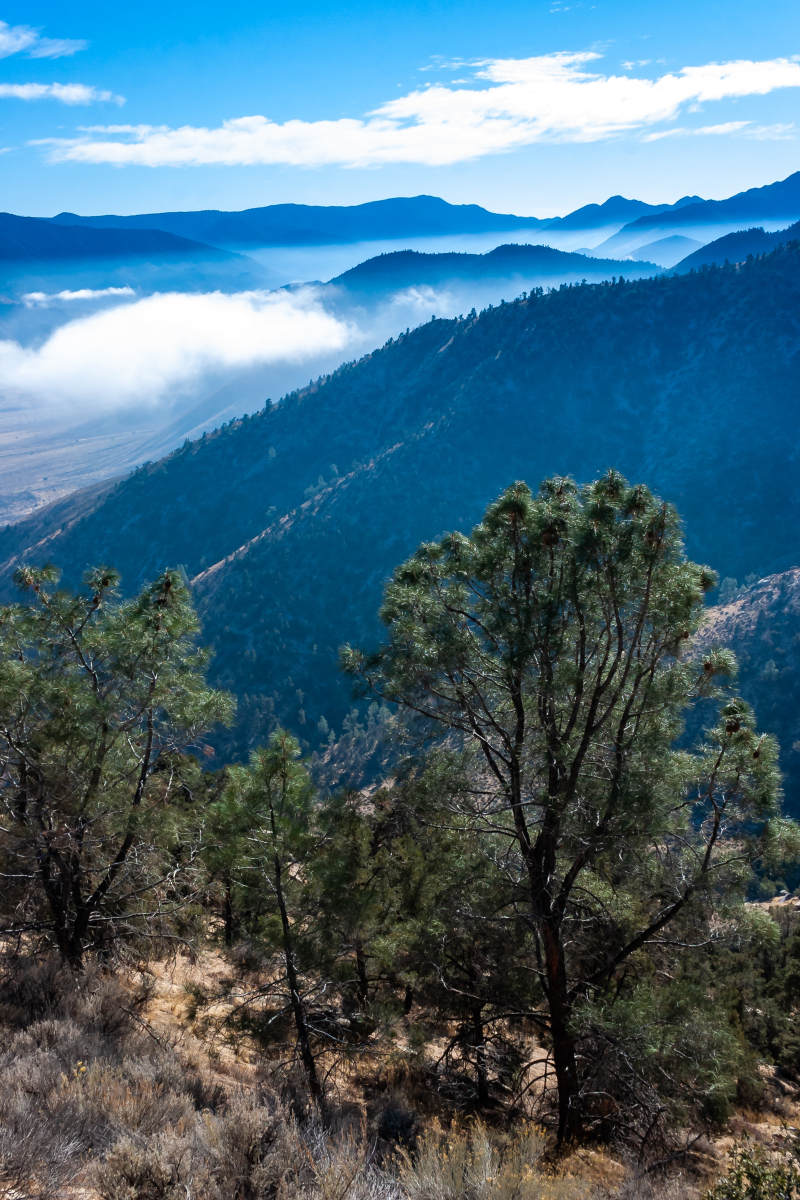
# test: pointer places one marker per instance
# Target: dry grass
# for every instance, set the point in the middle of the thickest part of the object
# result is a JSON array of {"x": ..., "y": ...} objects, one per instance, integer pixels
[
  {"x": 108, "y": 1091},
  {"x": 473, "y": 1164}
]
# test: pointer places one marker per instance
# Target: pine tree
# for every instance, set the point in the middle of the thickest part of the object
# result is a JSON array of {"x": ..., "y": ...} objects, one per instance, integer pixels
[
  {"x": 549, "y": 650},
  {"x": 99, "y": 698},
  {"x": 267, "y": 811}
]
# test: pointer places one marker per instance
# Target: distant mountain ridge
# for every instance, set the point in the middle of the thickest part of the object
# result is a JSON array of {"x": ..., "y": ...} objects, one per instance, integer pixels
[
  {"x": 669, "y": 250},
  {"x": 409, "y": 268},
  {"x": 291, "y": 519},
  {"x": 430, "y": 216},
  {"x": 34, "y": 239},
  {"x": 779, "y": 202},
  {"x": 305, "y": 224},
  {"x": 613, "y": 210},
  {"x": 398, "y": 217}
]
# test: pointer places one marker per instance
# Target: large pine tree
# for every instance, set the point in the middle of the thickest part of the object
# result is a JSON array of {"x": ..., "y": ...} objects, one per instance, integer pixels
[{"x": 549, "y": 649}]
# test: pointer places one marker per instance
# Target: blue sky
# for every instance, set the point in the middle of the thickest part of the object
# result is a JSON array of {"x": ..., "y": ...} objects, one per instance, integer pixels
[{"x": 532, "y": 107}]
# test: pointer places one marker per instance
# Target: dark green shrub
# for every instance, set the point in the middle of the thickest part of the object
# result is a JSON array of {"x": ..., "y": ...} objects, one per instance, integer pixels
[{"x": 753, "y": 1176}]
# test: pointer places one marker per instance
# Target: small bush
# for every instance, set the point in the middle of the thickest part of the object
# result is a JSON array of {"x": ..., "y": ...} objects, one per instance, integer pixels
[
  {"x": 473, "y": 1166},
  {"x": 752, "y": 1176}
]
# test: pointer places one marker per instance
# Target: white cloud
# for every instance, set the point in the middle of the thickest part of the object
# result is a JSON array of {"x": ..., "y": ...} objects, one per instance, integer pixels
[
  {"x": 772, "y": 133},
  {"x": 16, "y": 38},
  {"x": 57, "y": 47},
  {"x": 141, "y": 353},
  {"x": 44, "y": 299},
  {"x": 510, "y": 103},
  {"x": 67, "y": 93},
  {"x": 682, "y": 131}
]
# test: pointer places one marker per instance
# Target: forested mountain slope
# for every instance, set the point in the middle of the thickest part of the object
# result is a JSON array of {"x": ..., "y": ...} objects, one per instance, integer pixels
[
  {"x": 763, "y": 625},
  {"x": 688, "y": 383},
  {"x": 410, "y": 268},
  {"x": 735, "y": 247}
]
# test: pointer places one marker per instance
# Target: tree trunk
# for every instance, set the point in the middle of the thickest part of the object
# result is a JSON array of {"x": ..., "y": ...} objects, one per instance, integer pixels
[
  {"x": 303, "y": 1039},
  {"x": 361, "y": 969},
  {"x": 71, "y": 951},
  {"x": 569, "y": 1117},
  {"x": 60, "y": 887},
  {"x": 541, "y": 862},
  {"x": 479, "y": 1042},
  {"x": 228, "y": 915}
]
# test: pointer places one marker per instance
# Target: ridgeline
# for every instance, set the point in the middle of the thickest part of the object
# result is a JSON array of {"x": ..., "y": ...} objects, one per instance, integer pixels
[{"x": 290, "y": 520}]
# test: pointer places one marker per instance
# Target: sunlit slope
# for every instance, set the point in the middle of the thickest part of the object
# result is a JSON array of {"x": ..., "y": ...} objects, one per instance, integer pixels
[
  {"x": 763, "y": 626},
  {"x": 688, "y": 383}
]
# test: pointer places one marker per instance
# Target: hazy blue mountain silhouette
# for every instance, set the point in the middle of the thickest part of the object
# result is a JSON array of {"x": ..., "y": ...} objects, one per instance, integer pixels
[
  {"x": 412, "y": 216},
  {"x": 305, "y": 224},
  {"x": 407, "y": 268},
  {"x": 37, "y": 239},
  {"x": 668, "y": 250},
  {"x": 775, "y": 201},
  {"x": 427, "y": 216},
  {"x": 614, "y": 210}
]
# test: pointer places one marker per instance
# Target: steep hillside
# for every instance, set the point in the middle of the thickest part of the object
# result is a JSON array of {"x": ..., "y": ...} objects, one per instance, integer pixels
[
  {"x": 735, "y": 247},
  {"x": 689, "y": 383},
  {"x": 32, "y": 239},
  {"x": 763, "y": 626}
]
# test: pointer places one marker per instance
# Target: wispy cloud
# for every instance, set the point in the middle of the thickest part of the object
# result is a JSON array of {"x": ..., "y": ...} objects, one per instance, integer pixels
[
  {"x": 510, "y": 103},
  {"x": 727, "y": 127},
  {"x": 18, "y": 39},
  {"x": 67, "y": 93},
  {"x": 774, "y": 133},
  {"x": 45, "y": 299},
  {"x": 140, "y": 352}
]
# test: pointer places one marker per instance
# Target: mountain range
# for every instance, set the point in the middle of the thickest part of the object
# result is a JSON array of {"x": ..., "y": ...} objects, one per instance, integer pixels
[
  {"x": 400, "y": 217},
  {"x": 775, "y": 203},
  {"x": 309, "y": 225},
  {"x": 31, "y": 239},
  {"x": 615, "y": 210},
  {"x": 635, "y": 222},
  {"x": 642, "y": 231},
  {"x": 520, "y": 266},
  {"x": 290, "y": 520}
]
